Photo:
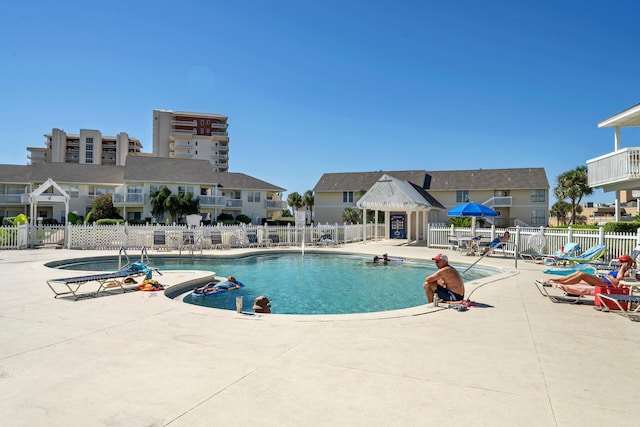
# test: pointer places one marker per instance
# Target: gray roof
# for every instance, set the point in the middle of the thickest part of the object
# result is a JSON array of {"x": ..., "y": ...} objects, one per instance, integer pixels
[
  {"x": 356, "y": 181},
  {"x": 476, "y": 179},
  {"x": 137, "y": 169},
  {"x": 240, "y": 180},
  {"x": 488, "y": 179},
  {"x": 167, "y": 170},
  {"x": 68, "y": 173}
]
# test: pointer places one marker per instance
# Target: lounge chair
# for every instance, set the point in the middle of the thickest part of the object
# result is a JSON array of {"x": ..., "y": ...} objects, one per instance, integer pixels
[
  {"x": 216, "y": 240},
  {"x": 625, "y": 304},
  {"x": 590, "y": 255},
  {"x": 573, "y": 294},
  {"x": 534, "y": 255},
  {"x": 105, "y": 281},
  {"x": 160, "y": 240}
]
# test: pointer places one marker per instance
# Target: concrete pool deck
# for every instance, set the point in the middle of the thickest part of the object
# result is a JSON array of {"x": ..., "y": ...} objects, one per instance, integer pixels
[{"x": 141, "y": 359}]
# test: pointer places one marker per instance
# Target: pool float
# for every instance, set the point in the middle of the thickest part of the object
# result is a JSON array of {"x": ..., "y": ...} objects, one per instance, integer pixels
[
  {"x": 195, "y": 292},
  {"x": 565, "y": 271}
]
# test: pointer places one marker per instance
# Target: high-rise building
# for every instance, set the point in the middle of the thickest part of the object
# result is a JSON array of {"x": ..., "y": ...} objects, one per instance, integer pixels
[
  {"x": 184, "y": 135},
  {"x": 88, "y": 147}
]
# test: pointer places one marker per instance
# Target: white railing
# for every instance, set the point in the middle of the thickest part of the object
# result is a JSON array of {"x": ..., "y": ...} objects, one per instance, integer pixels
[
  {"x": 220, "y": 201},
  {"x": 618, "y": 166},
  {"x": 499, "y": 201},
  {"x": 130, "y": 198},
  {"x": 275, "y": 204}
]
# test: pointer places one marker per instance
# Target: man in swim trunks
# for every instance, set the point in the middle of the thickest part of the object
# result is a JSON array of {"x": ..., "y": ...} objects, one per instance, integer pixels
[
  {"x": 612, "y": 278},
  {"x": 446, "y": 283}
]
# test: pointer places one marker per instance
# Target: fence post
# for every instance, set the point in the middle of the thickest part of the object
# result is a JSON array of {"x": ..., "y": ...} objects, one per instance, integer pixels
[
  {"x": 601, "y": 236},
  {"x": 570, "y": 234}
]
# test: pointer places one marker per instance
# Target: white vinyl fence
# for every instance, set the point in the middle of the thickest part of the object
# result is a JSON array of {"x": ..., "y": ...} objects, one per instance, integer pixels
[{"x": 180, "y": 237}]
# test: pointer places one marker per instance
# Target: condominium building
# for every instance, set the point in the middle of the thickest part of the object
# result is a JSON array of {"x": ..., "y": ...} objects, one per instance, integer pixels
[
  {"x": 198, "y": 136},
  {"x": 87, "y": 147}
]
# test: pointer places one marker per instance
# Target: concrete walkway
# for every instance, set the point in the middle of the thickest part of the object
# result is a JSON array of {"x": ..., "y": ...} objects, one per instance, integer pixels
[{"x": 141, "y": 359}]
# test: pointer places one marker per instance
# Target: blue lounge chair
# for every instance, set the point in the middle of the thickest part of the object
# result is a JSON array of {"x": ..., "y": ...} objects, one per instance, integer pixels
[
  {"x": 590, "y": 255},
  {"x": 104, "y": 280}
]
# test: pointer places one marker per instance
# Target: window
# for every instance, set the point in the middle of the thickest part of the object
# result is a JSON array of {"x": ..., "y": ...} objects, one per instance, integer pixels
[
  {"x": 208, "y": 122},
  {"x": 201, "y": 122},
  {"x": 538, "y": 196},
  {"x": 253, "y": 196},
  {"x": 134, "y": 189},
  {"x": 462, "y": 196},
  {"x": 71, "y": 190},
  {"x": 99, "y": 191},
  {"x": 347, "y": 197},
  {"x": 89, "y": 150},
  {"x": 538, "y": 217},
  {"x": 184, "y": 189}
]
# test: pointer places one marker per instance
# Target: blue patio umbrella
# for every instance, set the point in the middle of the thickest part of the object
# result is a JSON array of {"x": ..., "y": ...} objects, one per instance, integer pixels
[{"x": 472, "y": 209}]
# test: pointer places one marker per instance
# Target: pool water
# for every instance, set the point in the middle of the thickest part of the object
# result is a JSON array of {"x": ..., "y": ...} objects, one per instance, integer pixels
[{"x": 310, "y": 284}]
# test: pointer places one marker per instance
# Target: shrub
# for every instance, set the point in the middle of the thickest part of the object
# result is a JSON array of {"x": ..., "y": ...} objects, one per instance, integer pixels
[
  {"x": 74, "y": 218},
  {"x": 622, "y": 227},
  {"x": 243, "y": 219},
  {"x": 110, "y": 221}
]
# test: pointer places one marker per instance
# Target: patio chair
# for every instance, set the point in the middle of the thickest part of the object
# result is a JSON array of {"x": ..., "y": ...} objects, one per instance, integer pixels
[
  {"x": 216, "y": 240},
  {"x": 160, "y": 240},
  {"x": 570, "y": 249},
  {"x": 590, "y": 255},
  {"x": 624, "y": 304},
  {"x": 105, "y": 281},
  {"x": 572, "y": 294}
]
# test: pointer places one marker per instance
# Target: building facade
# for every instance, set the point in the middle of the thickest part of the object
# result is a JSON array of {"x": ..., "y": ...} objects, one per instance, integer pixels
[
  {"x": 520, "y": 195},
  {"x": 87, "y": 147},
  {"x": 131, "y": 187},
  {"x": 197, "y": 136}
]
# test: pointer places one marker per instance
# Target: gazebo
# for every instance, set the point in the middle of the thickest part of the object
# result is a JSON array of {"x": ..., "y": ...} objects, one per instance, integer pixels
[
  {"x": 40, "y": 195},
  {"x": 389, "y": 195}
]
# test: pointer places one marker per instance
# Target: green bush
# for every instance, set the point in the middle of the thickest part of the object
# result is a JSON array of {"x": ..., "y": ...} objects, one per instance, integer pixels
[
  {"x": 74, "y": 218},
  {"x": 224, "y": 217},
  {"x": 243, "y": 219},
  {"x": 622, "y": 227},
  {"x": 109, "y": 221}
]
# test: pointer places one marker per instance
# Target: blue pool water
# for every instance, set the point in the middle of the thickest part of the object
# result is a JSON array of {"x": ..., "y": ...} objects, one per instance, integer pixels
[{"x": 310, "y": 284}]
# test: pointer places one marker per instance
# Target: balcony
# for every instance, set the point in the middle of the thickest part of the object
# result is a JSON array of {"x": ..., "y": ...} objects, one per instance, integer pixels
[
  {"x": 219, "y": 125},
  {"x": 181, "y": 154},
  {"x": 14, "y": 199},
  {"x": 121, "y": 199},
  {"x": 619, "y": 170},
  {"x": 220, "y": 156},
  {"x": 181, "y": 144},
  {"x": 275, "y": 205},
  {"x": 184, "y": 122},
  {"x": 213, "y": 201},
  {"x": 499, "y": 202},
  {"x": 234, "y": 204}
]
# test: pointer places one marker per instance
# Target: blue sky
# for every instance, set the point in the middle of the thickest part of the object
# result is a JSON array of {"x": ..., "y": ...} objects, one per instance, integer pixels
[{"x": 331, "y": 86}]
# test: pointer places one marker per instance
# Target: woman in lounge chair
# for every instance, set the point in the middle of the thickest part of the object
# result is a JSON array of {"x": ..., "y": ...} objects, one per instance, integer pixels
[{"x": 612, "y": 278}]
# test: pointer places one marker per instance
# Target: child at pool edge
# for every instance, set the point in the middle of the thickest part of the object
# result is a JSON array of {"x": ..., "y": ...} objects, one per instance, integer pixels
[{"x": 262, "y": 305}]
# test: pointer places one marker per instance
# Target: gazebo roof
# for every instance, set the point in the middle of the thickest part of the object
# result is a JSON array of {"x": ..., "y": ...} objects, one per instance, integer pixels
[{"x": 392, "y": 194}]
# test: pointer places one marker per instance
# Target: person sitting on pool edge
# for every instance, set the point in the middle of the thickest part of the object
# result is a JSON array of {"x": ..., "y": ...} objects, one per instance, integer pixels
[
  {"x": 229, "y": 284},
  {"x": 262, "y": 305},
  {"x": 446, "y": 283}
]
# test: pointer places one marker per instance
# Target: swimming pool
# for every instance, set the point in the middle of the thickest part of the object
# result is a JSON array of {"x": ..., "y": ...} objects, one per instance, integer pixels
[{"x": 316, "y": 283}]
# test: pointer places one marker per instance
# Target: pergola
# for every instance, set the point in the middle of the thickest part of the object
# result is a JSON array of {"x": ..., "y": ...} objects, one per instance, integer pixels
[
  {"x": 39, "y": 195},
  {"x": 390, "y": 194}
]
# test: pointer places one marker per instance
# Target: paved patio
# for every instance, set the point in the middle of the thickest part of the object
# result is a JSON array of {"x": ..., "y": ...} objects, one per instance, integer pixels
[{"x": 141, "y": 359}]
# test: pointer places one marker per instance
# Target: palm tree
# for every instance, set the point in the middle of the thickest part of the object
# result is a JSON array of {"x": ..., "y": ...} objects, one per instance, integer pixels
[
  {"x": 351, "y": 215},
  {"x": 172, "y": 204},
  {"x": 295, "y": 201},
  {"x": 308, "y": 201},
  {"x": 158, "y": 201},
  {"x": 573, "y": 185},
  {"x": 559, "y": 210}
]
